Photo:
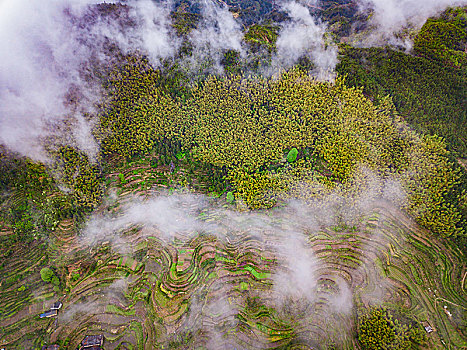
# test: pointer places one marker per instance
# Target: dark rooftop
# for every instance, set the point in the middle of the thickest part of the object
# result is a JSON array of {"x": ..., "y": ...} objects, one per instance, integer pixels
[
  {"x": 56, "y": 305},
  {"x": 92, "y": 341},
  {"x": 51, "y": 347}
]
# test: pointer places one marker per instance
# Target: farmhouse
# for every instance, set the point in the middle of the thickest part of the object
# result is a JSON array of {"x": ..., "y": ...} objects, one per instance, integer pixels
[
  {"x": 428, "y": 329},
  {"x": 50, "y": 347},
  {"x": 53, "y": 310},
  {"x": 93, "y": 342},
  {"x": 50, "y": 313},
  {"x": 56, "y": 306}
]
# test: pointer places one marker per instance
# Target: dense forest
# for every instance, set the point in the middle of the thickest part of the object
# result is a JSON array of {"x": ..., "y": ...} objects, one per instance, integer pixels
[{"x": 428, "y": 86}]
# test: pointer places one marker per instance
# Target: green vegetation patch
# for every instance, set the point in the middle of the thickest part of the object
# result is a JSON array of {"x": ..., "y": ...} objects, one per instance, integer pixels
[{"x": 378, "y": 330}]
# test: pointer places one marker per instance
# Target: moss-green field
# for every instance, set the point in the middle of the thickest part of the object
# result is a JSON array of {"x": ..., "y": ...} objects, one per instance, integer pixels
[{"x": 149, "y": 291}]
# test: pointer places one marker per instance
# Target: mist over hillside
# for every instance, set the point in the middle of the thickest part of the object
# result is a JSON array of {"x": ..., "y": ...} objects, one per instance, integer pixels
[{"x": 233, "y": 174}]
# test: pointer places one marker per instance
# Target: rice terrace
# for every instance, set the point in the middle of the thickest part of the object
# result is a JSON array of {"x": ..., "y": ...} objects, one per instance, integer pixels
[{"x": 233, "y": 174}]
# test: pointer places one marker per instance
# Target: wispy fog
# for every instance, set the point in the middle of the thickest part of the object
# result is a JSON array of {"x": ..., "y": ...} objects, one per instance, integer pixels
[
  {"x": 217, "y": 32},
  {"x": 302, "y": 36},
  {"x": 48, "y": 52},
  {"x": 391, "y": 16},
  {"x": 304, "y": 286}
]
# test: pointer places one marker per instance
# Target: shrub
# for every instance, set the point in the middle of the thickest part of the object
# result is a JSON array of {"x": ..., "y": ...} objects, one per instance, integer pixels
[
  {"x": 230, "y": 197},
  {"x": 292, "y": 155},
  {"x": 47, "y": 274}
]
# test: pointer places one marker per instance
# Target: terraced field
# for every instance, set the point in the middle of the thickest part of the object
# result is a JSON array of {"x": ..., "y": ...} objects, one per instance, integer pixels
[{"x": 234, "y": 280}]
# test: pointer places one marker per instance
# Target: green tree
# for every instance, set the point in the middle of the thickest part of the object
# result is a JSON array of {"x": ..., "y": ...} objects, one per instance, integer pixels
[
  {"x": 292, "y": 155},
  {"x": 47, "y": 274},
  {"x": 379, "y": 330},
  {"x": 230, "y": 197}
]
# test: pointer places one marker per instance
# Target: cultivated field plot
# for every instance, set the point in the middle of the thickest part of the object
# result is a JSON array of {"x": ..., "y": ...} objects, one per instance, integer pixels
[{"x": 208, "y": 276}]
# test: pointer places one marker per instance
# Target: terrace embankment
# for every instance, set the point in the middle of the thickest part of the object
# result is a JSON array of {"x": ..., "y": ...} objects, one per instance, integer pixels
[{"x": 225, "y": 288}]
